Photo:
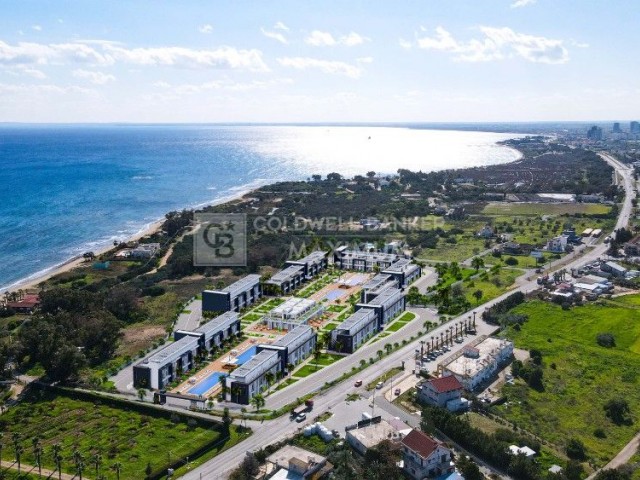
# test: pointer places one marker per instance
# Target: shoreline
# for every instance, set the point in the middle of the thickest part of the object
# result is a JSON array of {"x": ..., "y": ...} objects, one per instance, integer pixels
[{"x": 33, "y": 281}]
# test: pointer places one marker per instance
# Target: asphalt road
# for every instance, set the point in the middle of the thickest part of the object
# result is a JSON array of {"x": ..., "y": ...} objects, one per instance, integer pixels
[{"x": 334, "y": 398}]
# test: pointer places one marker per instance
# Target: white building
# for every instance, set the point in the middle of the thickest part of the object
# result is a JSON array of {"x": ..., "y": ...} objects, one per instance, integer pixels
[
  {"x": 293, "y": 312},
  {"x": 557, "y": 244},
  {"x": 478, "y": 362},
  {"x": 425, "y": 457}
]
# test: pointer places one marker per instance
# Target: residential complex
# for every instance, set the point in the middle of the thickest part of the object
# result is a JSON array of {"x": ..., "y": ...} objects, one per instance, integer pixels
[
  {"x": 236, "y": 296},
  {"x": 387, "y": 305},
  {"x": 164, "y": 366},
  {"x": 404, "y": 271},
  {"x": 363, "y": 261},
  {"x": 252, "y": 377},
  {"x": 297, "y": 271},
  {"x": 354, "y": 331},
  {"x": 376, "y": 285},
  {"x": 478, "y": 361},
  {"x": 294, "y": 347},
  {"x": 312, "y": 264},
  {"x": 293, "y": 312}
]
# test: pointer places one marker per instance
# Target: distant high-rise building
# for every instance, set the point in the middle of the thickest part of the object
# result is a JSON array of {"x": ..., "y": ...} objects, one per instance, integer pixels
[
  {"x": 594, "y": 133},
  {"x": 634, "y": 127},
  {"x": 616, "y": 128}
]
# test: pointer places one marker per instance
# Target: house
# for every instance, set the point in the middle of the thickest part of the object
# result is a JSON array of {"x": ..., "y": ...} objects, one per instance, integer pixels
[
  {"x": 26, "y": 304},
  {"x": 236, "y": 296},
  {"x": 511, "y": 248},
  {"x": 445, "y": 392},
  {"x": 526, "y": 451},
  {"x": 292, "y": 462},
  {"x": 486, "y": 232},
  {"x": 557, "y": 244},
  {"x": 371, "y": 434},
  {"x": 145, "y": 250},
  {"x": 370, "y": 223},
  {"x": 425, "y": 457}
]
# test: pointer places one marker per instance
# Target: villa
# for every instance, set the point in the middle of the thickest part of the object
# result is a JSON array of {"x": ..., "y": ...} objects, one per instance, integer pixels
[
  {"x": 425, "y": 457},
  {"x": 236, "y": 296}
]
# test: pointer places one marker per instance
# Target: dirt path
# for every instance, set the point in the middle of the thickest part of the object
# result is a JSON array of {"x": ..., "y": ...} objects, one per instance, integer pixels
[
  {"x": 622, "y": 457},
  {"x": 46, "y": 473}
]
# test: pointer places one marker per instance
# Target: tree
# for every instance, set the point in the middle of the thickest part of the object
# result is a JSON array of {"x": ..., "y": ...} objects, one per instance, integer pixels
[
  {"x": 258, "y": 401},
  {"x": 148, "y": 470},
  {"x": 141, "y": 394},
  {"x": 37, "y": 453},
  {"x": 17, "y": 447},
  {"x": 478, "y": 295},
  {"x": 606, "y": 340},
  {"x": 575, "y": 449},
  {"x": 57, "y": 458},
  {"x": 117, "y": 467},
  {"x": 612, "y": 474},
  {"x": 573, "y": 470},
  {"x": 96, "y": 459},
  {"x": 477, "y": 263},
  {"x": 227, "y": 419},
  {"x": 618, "y": 410},
  {"x": 469, "y": 469}
]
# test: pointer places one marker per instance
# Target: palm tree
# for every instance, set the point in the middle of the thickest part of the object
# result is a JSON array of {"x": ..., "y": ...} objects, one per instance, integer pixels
[
  {"x": 15, "y": 437},
  {"x": 37, "y": 453},
  {"x": 1, "y": 437},
  {"x": 269, "y": 377},
  {"x": 478, "y": 295},
  {"x": 388, "y": 348},
  {"x": 258, "y": 401},
  {"x": 96, "y": 459},
  {"x": 19, "y": 451},
  {"x": 57, "y": 458},
  {"x": 117, "y": 467}
]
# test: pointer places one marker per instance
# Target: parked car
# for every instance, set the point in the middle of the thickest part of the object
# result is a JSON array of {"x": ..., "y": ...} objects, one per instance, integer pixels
[
  {"x": 301, "y": 417},
  {"x": 379, "y": 385},
  {"x": 397, "y": 391},
  {"x": 358, "y": 383}
]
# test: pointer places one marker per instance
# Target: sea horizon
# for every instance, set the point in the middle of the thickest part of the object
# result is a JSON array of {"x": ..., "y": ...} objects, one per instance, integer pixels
[{"x": 91, "y": 184}]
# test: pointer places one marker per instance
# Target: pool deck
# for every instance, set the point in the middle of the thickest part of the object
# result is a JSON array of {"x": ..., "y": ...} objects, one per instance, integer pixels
[{"x": 217, "y": 365}]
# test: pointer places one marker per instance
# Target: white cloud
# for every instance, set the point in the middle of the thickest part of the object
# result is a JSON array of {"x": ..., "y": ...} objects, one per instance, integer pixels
[
  {"x": 18, "y": 70},
  {"x": 364, "y": 60},
  {"x": 37, "y": 28},
  {"x": 274, "y": 35},
  {"x": 206, "y": 29},
  {"x": 41, "y": 89},
  {"x": 326, "y": 66},
  {"x": 577, "y": 44},
  {"x": 406, "y": 44},
  {"x": 97, "y": 78},
  {"x": 318, "y": 38},
  {"x": 107, "y": 53},
  {"x": 522, "y": 3},
  {"x": 497, "y": 44},
  {"x": 281, "y": 26},
  {"x": 188, "y": 89}
]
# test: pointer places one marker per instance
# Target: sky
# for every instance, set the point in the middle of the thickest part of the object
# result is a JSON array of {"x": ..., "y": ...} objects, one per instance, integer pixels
[{"x": 319, "y": 61}]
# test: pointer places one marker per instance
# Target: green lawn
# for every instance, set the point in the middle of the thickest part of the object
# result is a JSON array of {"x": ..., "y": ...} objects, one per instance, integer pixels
[
  {"x": 307, "y": 370},
  {"x": 494, "y": 285},
  {"x": 329, "y": 327},
  {"x": 336, "y": 308},
  {"x": 117, "y": 431},
  {"x": 406, "y": 317},
  {"x": 251, "y": 317},
  {"x": 585, "y": 376},
  {"x": 395, "y": 326},
  {"x": 326, "y": 359}
]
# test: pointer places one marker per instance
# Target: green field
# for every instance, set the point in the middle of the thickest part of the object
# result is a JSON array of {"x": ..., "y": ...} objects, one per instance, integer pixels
[
  {"x": 500, "y": 208},
  {"x": 119, "y": 432},
  {"x": 495, "y": 284},
  {"x": 307, "y": 370},
  {"x": 585, "y": 376}
]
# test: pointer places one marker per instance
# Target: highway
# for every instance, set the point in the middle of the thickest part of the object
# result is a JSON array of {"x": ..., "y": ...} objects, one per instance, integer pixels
[{"x": 275, "y": 430}]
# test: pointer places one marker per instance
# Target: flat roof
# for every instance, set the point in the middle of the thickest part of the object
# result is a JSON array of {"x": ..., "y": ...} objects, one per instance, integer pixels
[
  {"x": 386, "y": 298},
  {"x": 357, "y": 254},
  {"x": 373, "y": 434},
  {"x": 173, "y": 350},
  {"x": 256, "y": 366},
  {"x": 487, "y": 349},
  {"x": 314, "y": 257},
  {"x": 295, "y": 337},
  {"x": 377, "y": 281},
  {"x": 240, "y": 286},
  {"x": 286, "y": 274},
  {"x": 217, "y": 324},
  {"x": 402, "y": 265},
  {"x": 292, "y": 308},
  {"x": 356, "y": 321}
]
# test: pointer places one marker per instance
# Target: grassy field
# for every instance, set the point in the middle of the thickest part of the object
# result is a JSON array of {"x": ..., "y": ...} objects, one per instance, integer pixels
[
  {"x": 500, "y": 208},
  {"x": 492, "y": 286},
  {"x": 307, "y": 370},
  {"x": 119, "y": 433},
  {"x": 579, "y": 375}
]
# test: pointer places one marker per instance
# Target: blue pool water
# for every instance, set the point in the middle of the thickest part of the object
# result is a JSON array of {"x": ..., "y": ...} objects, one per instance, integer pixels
[
  {"x": 206, "y": 384},
  {"x": 245, "y": 356},
  {"x": 333, "y": 295}
]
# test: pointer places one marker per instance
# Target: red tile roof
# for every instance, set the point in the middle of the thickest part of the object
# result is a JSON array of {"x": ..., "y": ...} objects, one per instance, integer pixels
[
  {"x": 420, "y": 443},
  {"x": 446, "y": 384}
]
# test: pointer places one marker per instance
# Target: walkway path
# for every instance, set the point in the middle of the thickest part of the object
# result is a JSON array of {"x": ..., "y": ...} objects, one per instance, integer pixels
[{"x": 24, "y": 468}]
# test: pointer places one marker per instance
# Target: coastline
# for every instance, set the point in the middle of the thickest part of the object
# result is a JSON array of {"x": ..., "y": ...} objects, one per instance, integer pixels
[{"x": 32, "y": 281}]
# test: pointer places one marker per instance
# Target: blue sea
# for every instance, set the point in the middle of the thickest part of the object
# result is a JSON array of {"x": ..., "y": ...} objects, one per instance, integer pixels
[{"x": 68, "y": 189}]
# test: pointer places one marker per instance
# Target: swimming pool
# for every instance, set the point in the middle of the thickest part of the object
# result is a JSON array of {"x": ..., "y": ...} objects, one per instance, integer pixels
[
  {"x": 206, "y": 384},
  {"x": 245, "y": 356}
]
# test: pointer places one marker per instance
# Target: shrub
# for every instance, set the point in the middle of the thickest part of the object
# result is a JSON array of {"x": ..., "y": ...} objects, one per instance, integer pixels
[
  {"x": 511, "y": 261},
  {"x": 575, "y": 449},
  {"x": 606, "y": 340}
]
